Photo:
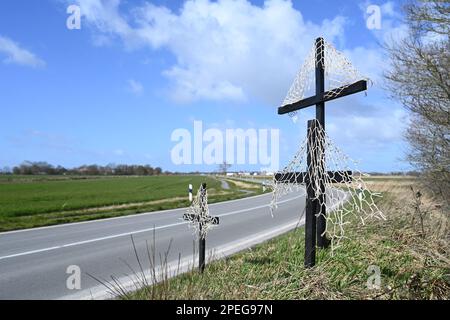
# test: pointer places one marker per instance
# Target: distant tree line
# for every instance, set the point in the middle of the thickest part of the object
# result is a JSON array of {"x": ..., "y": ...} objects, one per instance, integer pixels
[
  {"x": 44, "y": 168},
  {"x": 412, "y": 173}
]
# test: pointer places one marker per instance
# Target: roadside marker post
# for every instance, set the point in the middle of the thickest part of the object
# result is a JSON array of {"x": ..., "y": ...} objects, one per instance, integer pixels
[
  {"x": 360, "y": 193},
  {"x": 190, "y": 192}
]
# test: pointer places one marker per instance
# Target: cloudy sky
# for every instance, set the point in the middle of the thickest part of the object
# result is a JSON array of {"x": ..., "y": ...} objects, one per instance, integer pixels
[{"x": 115, "y": 90}]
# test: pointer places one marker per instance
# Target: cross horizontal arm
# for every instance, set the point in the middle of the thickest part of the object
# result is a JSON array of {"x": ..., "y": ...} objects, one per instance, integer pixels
[
  {"x": 327, "y": 96},
  {"x": 302, "y": 177},
  {"x": 197, "y": 218}
]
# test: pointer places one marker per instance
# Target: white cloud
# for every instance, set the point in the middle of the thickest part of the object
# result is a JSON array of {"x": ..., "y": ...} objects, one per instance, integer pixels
[
  {"x": 371, "y": 130},
  {"x": 232, "y": 49},
  {"x": 135, "y": 87},
  {"x": 388, "y": 9},
  {"x": 225, "y": 49},
  {"x": 370, "y": 62},
  {"x": 15, "y": 54}
]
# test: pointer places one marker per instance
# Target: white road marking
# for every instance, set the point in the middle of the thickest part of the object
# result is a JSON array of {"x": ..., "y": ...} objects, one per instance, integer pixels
[{"x": 131, "y": 233}]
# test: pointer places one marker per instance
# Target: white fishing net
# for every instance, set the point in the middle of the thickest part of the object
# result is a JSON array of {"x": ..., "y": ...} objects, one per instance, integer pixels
[
  {"x": 345, "y": 193},
  {"x": 339, "y": 73},
  {"x": 303, "y": 80},
  {"x": 198, "y": 214}
]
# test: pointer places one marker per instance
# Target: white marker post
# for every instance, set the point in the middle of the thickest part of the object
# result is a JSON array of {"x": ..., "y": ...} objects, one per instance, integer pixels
[
  {"x": 190, "y": 193},
  {"x": 360, "y": 191}
]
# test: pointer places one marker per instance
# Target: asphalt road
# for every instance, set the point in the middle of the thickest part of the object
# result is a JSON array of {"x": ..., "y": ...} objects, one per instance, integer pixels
[{"x": 34, "y": 263}]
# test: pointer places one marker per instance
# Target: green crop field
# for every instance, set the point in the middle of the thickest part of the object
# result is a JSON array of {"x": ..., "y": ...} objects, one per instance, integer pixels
[
  {"x": 30, "y": 197},
  {"x": 29, "y": 201}
]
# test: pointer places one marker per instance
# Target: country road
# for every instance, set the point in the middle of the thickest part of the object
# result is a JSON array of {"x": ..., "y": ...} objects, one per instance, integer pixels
[{"x": 33, "y": 263}]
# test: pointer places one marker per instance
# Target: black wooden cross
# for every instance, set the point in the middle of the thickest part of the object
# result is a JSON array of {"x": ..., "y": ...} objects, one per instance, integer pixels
[
  {"x": 318, "y": 207},
  {"x": 201, "y": 219}
]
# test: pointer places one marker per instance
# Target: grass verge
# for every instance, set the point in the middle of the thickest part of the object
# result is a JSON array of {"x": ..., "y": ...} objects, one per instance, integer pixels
[{"x": 411, "y": 250}]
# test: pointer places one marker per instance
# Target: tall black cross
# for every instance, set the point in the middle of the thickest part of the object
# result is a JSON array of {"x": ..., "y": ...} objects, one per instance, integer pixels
[{"x": 319, "y": 99}]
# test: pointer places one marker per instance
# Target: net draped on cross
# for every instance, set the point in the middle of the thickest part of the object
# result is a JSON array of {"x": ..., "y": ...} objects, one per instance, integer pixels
[
  {"x": 342, "y": 197},
  {"x": 339, "y": 74},
  {"x": 198, "y": 214}
]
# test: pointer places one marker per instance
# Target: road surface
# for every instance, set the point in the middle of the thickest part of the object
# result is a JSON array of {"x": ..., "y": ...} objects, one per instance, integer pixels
[{"x": 33, "y": 263}]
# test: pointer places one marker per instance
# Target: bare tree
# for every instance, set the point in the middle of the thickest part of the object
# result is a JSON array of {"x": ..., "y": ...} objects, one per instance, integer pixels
[
  {"x": 223, "y": 168},
  {"x": 420, "y": 79}
]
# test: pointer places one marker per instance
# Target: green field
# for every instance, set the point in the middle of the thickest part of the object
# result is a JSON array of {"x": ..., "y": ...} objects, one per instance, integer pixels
[{"x": 29, "y": 201}]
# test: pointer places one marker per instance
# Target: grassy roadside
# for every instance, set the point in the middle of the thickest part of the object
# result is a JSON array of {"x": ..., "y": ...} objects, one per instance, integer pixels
[
  {"x": 411, "y": 249},
  {"x": 34, "y": 201}
]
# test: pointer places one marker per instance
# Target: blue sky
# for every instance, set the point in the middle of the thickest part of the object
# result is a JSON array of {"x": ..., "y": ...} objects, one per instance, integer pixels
[{"x": 114, "y": 91}]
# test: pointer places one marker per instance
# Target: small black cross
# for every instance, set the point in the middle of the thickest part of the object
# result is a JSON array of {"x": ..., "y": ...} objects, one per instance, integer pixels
[{"x": 202, "y": 219}]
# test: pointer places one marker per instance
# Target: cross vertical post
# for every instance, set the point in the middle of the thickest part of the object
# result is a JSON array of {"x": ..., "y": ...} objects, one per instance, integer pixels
[
  {"x": 201, "y": 253},
  {"x": 311, "y": 202},
  {"x": 202, "y": 239},
  {"x": 320, "y": 208},
  {"x": 320, "y": 80}
]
